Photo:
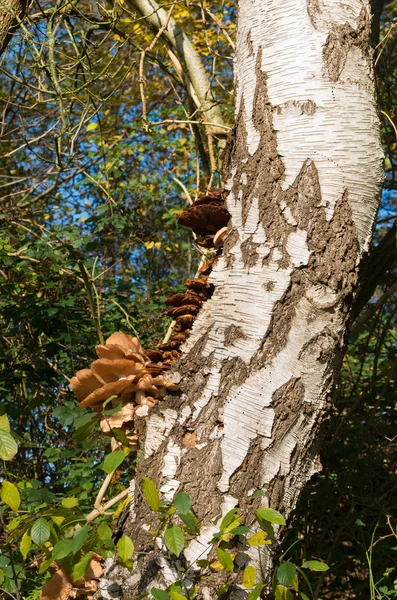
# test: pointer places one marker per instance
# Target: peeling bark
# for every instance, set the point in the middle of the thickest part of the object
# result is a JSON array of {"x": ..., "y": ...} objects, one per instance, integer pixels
[{"x": 304, "y": 173}]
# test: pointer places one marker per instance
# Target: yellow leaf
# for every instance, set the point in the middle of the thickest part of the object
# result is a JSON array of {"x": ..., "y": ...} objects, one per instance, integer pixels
[
  {"x": 149, "y": 245},
  {"x": 259, "y": 539},
  {"x": 25, "y": 544},
  {"x": 92, "y": 126},
  {"x": 58, "y": 520},
  {"x": 216, "y": 565},
  {"x": 157, "y": 244},
  {"x": 10, "y": 495},
  {"x": 249, "y": 577}
]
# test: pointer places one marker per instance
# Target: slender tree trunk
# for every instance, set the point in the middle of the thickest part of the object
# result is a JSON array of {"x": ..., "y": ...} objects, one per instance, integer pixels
[
  {"x": 11, "y": 12},
  {"x": 304, "y": 173}
]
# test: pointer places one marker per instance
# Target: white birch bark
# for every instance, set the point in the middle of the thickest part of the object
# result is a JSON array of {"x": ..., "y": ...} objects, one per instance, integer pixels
[{"x": 304, "y": 174}]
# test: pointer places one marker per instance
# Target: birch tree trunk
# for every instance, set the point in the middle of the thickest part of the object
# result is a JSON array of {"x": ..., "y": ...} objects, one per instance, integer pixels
[{"x": 304, "y": 173}]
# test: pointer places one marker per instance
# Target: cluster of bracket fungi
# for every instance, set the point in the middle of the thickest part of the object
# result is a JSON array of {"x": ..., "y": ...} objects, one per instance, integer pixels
[{"x": 131, "y": 378}]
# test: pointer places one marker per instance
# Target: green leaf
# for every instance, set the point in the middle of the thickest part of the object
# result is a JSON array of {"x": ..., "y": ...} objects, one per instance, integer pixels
[
  {"x": 25, "y": 544},
  {"x": 174, "y": 539},
  {"x": 225, "y": 559},
  {"x": 315, "y": 565},
  {"x": 70, "y": 502},
  {"x": 40, "y": 532},
  {"x": 228, "y": 519},
  {"x": 304, "y": 597},
  {"x": 283, "y": 593},
  {"x": 125, "y": 548},
  {"x": 113, "y": 411},
  {"x": 45, "y": 565},
  {"x": 222, "y": 589},
  {"x": 10, "y": 495},
  {"x": 258, "y": 494},
  {"x": 84, "y": 431},
  {"x": 240, "y": 530},
  {"x": 151, "y": 494},
  {"x": 79, "y": 538},
  {"x": 182, "y": 503},
  {"x": 191, "y": 523},
  {"x": 104, "y": 532},
  {"x": 79, "y": 570},
  {"x": 8, "y": 446},
  {"x": 4, "y": 423},
  {"x": 177, "y": 596},
  {"x": 159, "y": 594},
  {"x": 286, "y": 573},
  {"x": 249, "y": 577},
  {"x": 254, "y": 595},
  {"x": 112, "y": 461},
  {"x": 62, "y": 549},
  {"x": 271, "y": 515},
  {"x": 203, "y": 563}
]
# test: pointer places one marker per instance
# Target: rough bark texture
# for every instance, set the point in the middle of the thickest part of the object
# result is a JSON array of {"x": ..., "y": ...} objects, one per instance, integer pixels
[
  {"x": 11, "y": 11},
  {"x": 304, "y": 171}
]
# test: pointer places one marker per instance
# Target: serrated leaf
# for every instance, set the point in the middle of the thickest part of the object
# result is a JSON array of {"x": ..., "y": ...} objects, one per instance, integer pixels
[
  {"x": 174, "y": 539},
  {"x": 191, "y": 523},
  {"x": 4, "y": 423},
  {"x": 182, "y": 503},
  {"x": 8, "y": 446},
  {"x": 315, "y": 565},
  {"x": 10, "y": 495},
  {"x": 25, "y": 544},
  {"x": 70, "y": 502},
  {"x": 228, "y": 518},
  {"x": 62, "y": 549},
  {"x": 79, "y": 569},
  {"x": 125, "y": 548},
  {"x": 259, "y": 539},
  {"x": 254, "y": 595},
  {"x": 150, "y": 493},
  {"x": 271, "y": 515},
  {"x": 286, "y": 574},
  {"x": 225, "y": 559},
  {"x": 249, "y": 576},
  {"x": 283, "y": 593},
  {"x": 40, "y": 532},
  {"x": 159, "y": 594},
  {"x": 112, "y": 461}
]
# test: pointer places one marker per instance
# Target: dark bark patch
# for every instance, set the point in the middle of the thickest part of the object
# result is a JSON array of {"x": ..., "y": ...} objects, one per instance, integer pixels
[
  {"x": 234, "y": 372},
  {"x": 340, "y": 39},
  {"x": 232, "y": 334},
  {"x": 249, "y": 253},
  {"x": 200, "y": 472},
  {"x": 287, "y": 404},
  {"x": 248, "y": 477}
]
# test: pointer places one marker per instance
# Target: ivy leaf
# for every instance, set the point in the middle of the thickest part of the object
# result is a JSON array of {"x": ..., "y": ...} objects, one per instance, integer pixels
[
  {"x": 315, "y": 565},
  {"x": 151, "y": 493},
  {"x": 271, "y": 515},
  {"x": 79, "y": 570},
  {"x": 259, "y": 539},
  {"x": 10, "y": 495},
  {"x": 8, "y": 446},
  {"x": 225, "y": 559},
  {"x": 286, "y": 574},
  {"x": 254, "y": 595},
  {"x": 40, "y": 532},
  {"x": 159, "y": 594},
  {"x": 112, "y": 461},
  {"x": 249, "y": 577},
  {"x": 283, "y": 593},
  {"x": 125, "y": 548},
  {"x": 182, "y": 503},
  {"x": 25, "y": 544},
  {"x": 174, "y": 539}
]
